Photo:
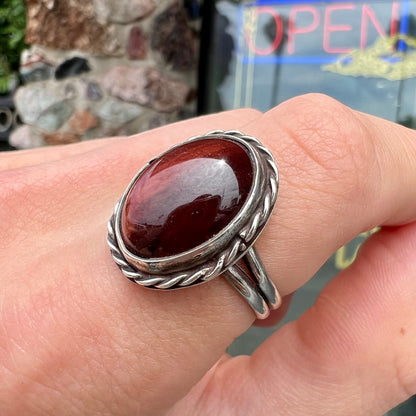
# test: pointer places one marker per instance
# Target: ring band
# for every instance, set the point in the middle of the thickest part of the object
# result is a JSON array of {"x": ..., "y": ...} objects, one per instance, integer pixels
[{"x": 194, "y": 213}]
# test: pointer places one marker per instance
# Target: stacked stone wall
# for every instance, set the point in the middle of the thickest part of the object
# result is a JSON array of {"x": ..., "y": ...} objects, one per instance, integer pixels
[{"x": 100, "y": 68}]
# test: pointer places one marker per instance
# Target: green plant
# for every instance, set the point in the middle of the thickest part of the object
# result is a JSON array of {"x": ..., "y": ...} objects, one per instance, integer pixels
[{"x": 12, "y": 38}]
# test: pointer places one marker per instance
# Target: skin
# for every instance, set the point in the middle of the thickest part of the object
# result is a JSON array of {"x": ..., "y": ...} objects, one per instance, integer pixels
[{"x": 78, "y": 338}]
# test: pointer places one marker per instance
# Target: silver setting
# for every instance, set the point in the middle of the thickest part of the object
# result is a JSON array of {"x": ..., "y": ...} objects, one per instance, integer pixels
[{"x": 223, "y": 252}]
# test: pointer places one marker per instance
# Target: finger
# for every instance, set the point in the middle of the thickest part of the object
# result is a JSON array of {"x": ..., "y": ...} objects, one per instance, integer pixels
[
  {"x": 59, "y": 280},
  {"x": 22, "y": 158},
  {"x": 83, "y": 190},
  {"x": 341, "y": 173},
  {"x": 352, "y": 353},
  {"x": 79, "y": 185}
]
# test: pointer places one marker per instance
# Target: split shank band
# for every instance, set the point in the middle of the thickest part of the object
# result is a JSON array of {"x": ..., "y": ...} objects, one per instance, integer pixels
[{"x": 194, "y": 213}]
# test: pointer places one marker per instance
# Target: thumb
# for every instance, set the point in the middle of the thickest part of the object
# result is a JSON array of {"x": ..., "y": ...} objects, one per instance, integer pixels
[{"x": 352, "y": 353}]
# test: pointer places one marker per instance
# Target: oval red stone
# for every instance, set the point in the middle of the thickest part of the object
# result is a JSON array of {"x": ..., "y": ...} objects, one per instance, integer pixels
[{"x": 186, "y": 197}]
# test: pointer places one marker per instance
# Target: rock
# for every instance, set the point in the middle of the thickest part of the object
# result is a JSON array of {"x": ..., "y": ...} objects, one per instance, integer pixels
[
  {"x": 93, "y": 91},
  {"x": 35, "y": 67},
  {"x": 36, "y": 73},
  {"x": 122, "y": 11},
  {"x": 136, "y": 44},
  {"x": 61, "y": 138},
  {"x": 72, "y": 67},
  {"x": 49, "y": 4},
  {"x": 146, "y": 86},
  {"x": 81, "y": 121},
  {"x": 117, "y": 112},
  {"x": 174, "y": 39},
  {"x": 45, "y": 104},
  {"x": 25, "y": 137},
  {"x": 55, "y": 116},
  {"x": 32, "y": 56},
  {"x": 69, "y": 25},
  {"x": 32, "y": 100}
]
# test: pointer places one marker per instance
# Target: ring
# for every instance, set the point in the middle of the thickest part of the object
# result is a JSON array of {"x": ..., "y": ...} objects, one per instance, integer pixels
[{"x": 194, "y": 213}]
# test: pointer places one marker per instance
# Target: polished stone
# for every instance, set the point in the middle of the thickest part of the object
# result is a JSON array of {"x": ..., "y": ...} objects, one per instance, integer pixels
[{"x": 186, "y": 197}]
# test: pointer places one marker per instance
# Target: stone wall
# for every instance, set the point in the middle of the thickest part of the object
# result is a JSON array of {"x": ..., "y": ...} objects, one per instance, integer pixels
[{"x": 100, "y": 68}]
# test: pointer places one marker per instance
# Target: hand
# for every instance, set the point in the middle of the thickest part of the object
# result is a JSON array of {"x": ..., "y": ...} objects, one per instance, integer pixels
[{"x": 77, "y": 338}]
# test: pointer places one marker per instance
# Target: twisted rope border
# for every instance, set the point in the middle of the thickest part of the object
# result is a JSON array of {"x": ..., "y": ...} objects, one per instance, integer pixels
[{"x": 241, "y": 242}]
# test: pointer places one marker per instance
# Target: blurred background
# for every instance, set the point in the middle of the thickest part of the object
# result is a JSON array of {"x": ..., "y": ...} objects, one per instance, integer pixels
[{"x": 85, "y": 69}]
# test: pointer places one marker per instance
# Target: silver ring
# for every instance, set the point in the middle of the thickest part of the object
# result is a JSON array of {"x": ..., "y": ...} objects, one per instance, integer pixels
[{"x": 194, "y": 213}]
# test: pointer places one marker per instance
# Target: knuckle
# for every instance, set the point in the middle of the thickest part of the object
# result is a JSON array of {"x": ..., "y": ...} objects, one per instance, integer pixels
[{"x": 326, "y": 141}]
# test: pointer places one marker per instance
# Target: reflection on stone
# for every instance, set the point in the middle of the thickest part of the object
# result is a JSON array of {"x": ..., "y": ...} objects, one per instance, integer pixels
[{"x": 186, "y": 197}]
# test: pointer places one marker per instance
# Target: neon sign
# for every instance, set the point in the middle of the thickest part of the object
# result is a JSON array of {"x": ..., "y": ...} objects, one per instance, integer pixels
[{"x": 329, "y": 27}]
